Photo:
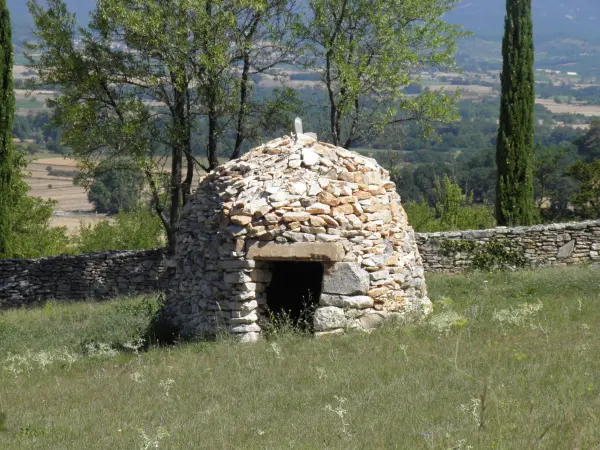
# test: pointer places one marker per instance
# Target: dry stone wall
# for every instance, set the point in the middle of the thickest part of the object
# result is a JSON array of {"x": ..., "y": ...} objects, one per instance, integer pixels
[
  {"x": 75, "y": 278},
  {"x": 560, "y": 244},
  {"x": 111, "y": 274}
]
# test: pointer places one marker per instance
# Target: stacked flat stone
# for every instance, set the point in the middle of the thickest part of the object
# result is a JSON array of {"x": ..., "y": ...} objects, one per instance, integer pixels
[
  {"x": 25, "y": 282},
  {"x": 295, "y": 199},
  {"x": 559, "y": 244}
]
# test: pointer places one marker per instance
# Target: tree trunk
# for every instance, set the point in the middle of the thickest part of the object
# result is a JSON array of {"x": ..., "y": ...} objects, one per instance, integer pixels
[
  {"x": 213, "y": 124},
  {"x": 177, "y": 151},
  {"x": 333, "y": 112},
  {"x": 7, "y": 109},
  {"x": 241, "y": 125}
]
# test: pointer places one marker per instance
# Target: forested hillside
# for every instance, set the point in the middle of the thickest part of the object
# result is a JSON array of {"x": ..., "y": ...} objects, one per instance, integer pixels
[
  {"x": 577, "y": 19},
  {"x": 20, "y": 12},
  {"x": 553, "y": 18}
]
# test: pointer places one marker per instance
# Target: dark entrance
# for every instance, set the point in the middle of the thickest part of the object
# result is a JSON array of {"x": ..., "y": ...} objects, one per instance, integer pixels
[{"x": 295, "y": 291}]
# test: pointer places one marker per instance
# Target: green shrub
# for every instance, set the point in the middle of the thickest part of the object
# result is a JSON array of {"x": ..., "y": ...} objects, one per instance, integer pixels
[
  {"x": 135, "y": 230},
  {"x": 28, "y": 232},
  {"x": 452, "y": 210},
  {"x": 493, "y": 255}
]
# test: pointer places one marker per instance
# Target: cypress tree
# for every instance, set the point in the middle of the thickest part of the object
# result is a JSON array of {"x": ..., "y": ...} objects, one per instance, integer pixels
[
  {"x": 7, "y": 109},
  {"x": 514, "y": 151}
]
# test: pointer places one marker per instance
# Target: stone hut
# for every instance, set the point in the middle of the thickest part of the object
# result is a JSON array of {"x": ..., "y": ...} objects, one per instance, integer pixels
[{"x": 300, "y": 226}]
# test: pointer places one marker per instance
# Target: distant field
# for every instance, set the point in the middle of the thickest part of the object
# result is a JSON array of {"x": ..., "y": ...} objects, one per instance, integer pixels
[
  {"x": 70, "y": 198},
  {"x": 564, "y": 108},
  {"x": 31, "y": 102}
]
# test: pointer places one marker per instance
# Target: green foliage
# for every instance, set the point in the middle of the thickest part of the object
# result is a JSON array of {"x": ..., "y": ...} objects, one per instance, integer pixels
[
  {"x": 492, "y": 255},
  {"x": 135, "y": 230},
  {"x": 9, "y": 169},
  {"x": 31, "y": 233},
  {"x": 586, "y": 200},
  {"x": 514, "y": 152},
  {"x": 61, "y": 172},
  {"x": 368, "y": 52},
  {"x": 588, "y": 145},
  {"x": 116, "y": 190},
  {"x": 452, "y": 210},
  {"x": 206, "y": 84}
]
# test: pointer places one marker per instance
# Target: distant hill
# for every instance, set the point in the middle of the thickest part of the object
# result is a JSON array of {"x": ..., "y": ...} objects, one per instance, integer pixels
[
  {"x": 20, "y": 13},
  {"x": 553, "y": 19},
  {"x": 567, "y": 32}
]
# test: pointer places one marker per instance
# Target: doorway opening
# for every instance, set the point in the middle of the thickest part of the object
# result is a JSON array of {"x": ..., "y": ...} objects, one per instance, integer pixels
[{"x": 294, "y": 292}]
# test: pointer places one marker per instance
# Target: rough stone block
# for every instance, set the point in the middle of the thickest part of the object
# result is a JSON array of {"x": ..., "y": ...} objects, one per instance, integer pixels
[
  {"x": 347, "y": 302},
  {"x": 373, "y": 319},
  {"x": 346, "y": 279},
  {"x": 566, "y": 250},
  {"x": 329, "y": 318}
]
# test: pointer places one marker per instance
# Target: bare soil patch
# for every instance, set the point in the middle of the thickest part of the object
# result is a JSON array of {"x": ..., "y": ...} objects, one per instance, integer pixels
[{"x": 61, "y": 189}]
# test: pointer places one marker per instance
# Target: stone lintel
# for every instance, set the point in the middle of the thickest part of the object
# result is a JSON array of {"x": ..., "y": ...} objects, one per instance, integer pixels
[{"x": 295, "y": 251}]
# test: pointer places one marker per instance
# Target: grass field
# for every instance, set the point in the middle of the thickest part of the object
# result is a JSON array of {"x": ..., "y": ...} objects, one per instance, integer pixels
[{"x": 508, "y": 361}]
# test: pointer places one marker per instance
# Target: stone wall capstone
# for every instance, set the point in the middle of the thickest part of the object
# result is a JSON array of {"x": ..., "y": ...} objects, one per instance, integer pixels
[
  {"x": 25, "y": 282},
  {"x": 111, "y": 274}
]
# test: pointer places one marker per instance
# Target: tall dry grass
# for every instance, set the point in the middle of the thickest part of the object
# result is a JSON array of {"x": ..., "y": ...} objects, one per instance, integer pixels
[{"x": 508, "y": 360}]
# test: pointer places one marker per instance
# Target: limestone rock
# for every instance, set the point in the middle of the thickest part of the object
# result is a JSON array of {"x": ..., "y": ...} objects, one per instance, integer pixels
[
  {"x": 566, "y": 250},
  {"x": 329, "y": 318},
  {"x": 346, "y": 279},
  {"x": 347, "y": 302}
]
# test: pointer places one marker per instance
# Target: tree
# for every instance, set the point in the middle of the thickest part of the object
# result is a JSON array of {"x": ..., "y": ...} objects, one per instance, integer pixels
[
  {"x": 586, "y": 201},
  {"x": 116, "y": 190},
  {"x": 154, "y": 81},
  {"x": 514, "y": 149},
  {"x": 368, "y": 52},
  {"x": 546, "y": 164},
  {"x": 588, "y": 145},
  {"x": 8, "y": 165},
  {"x": 32, "y": 234}
]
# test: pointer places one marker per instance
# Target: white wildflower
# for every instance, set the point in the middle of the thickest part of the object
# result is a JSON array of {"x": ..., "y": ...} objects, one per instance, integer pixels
[
  {"x": 166, "y": 385},
  {"x": 27, "y": 362},
  {"x": 445, "y": 321},
  {"x": 134, "y": 345},
  {"x": 100, "y": 350},
  {"x": 137, "y": 377},
  {"x": 518, "y": 315},
  {"x": 321, "y": 373},
  {"x": 341, "y": 412},
  {"x": 277, "y": 350},
  {"x": 152, "y": 442},
  {"x": 472, "y": 409}
]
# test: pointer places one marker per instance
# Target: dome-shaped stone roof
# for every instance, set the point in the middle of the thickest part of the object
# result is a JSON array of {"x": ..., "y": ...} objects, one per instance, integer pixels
[{"x": 295, "y": 199}]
